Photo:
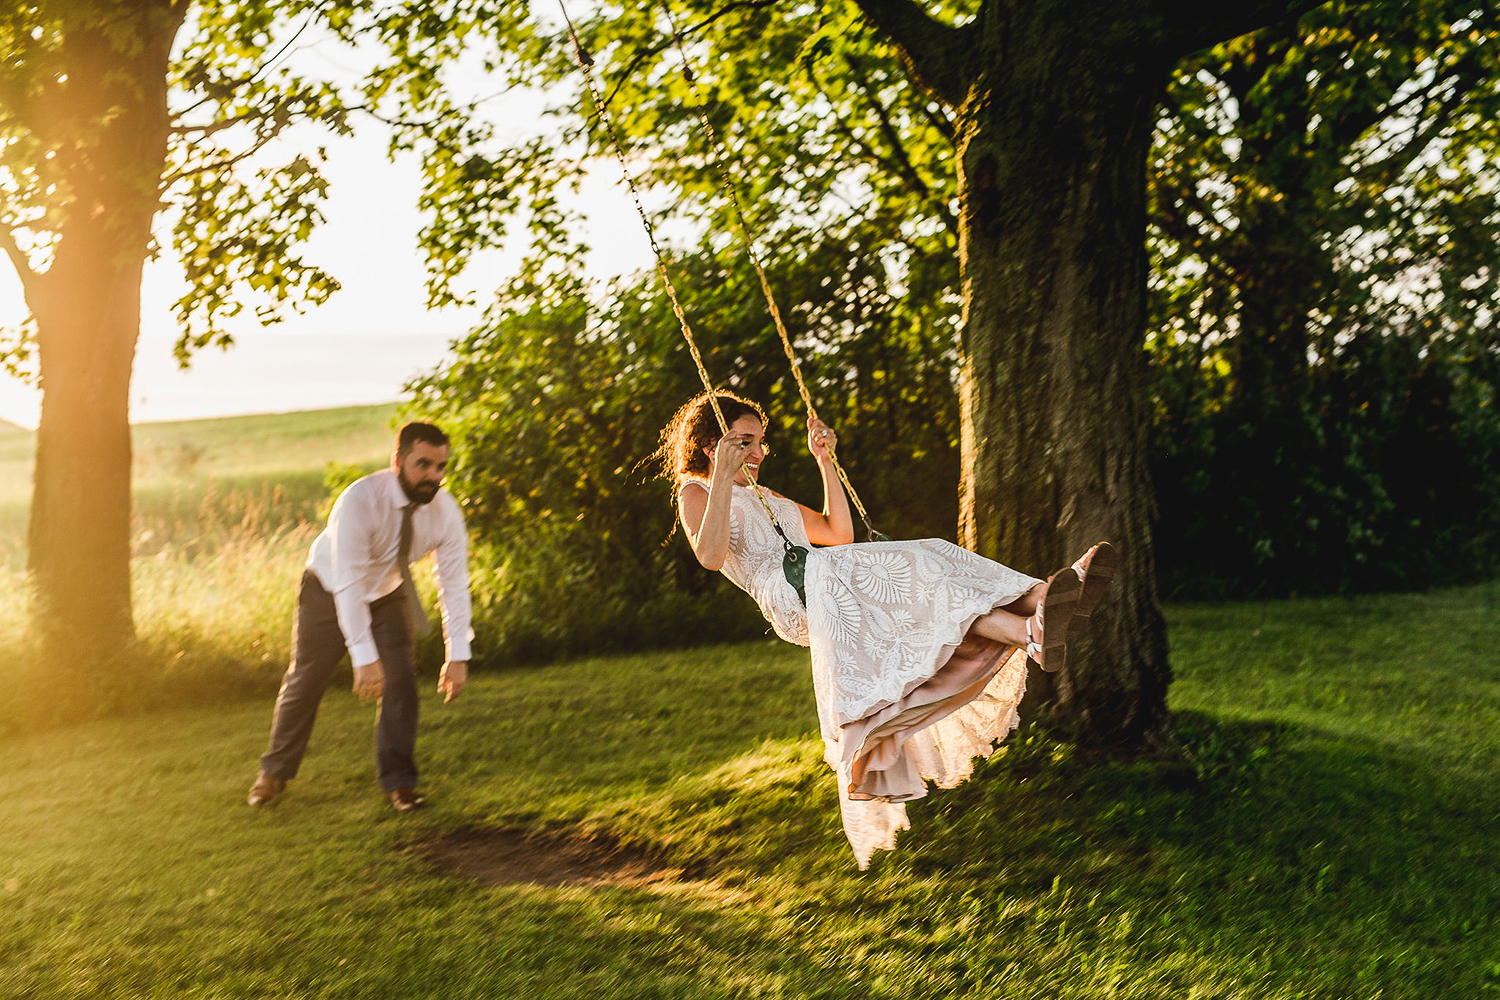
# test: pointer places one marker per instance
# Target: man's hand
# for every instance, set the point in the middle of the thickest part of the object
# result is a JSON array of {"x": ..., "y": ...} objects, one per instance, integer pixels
[
  {"x": 451, "y": 680},
  {"x": 369, "y": 680}
]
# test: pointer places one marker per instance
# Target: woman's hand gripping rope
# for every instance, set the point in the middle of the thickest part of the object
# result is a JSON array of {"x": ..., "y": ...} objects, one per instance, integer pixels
[
  {"x": 834, "y": 525},
  {"x": 705, "y": 512},
  {"x": 729, "y": 457},
  {"x": 821, "y": 440}
]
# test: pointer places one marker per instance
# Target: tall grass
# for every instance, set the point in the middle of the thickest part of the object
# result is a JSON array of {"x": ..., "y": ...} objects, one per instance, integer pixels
[
  {"x": 223, "y": 513},
  {"x": 178, "y": 465},
  {"x": 212, "y": 614}
]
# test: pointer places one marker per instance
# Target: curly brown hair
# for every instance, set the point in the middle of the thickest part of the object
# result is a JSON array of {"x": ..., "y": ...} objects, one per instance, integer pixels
[{"x": 694, "y": 428}]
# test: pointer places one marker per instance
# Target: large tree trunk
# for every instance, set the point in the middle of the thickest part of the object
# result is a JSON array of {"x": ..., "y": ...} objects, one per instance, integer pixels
[
  {"x": 112, "y": 127},
  {"x": 79, "y": 539},
  {"x": 1053, "y": 147},
  {"x": 1055, "y": 101}
]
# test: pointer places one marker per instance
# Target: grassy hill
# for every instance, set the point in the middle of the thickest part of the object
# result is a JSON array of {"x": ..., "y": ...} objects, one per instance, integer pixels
[
  {"x": 265, "y": 446},
  {"x": 233, "y": 461},
  {"x": 1331, "y": 833}
]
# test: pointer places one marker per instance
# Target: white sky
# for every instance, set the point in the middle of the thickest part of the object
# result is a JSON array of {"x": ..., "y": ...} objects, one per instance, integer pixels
[{"x": 374, "y": 334}]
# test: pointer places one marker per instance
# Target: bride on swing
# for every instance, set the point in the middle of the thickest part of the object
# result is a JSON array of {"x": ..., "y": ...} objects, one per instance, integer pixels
[{"x": 919, "y": 648}]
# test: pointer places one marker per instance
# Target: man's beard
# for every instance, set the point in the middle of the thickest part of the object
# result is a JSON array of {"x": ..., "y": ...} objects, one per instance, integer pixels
[{"x": 416, "y": 492}]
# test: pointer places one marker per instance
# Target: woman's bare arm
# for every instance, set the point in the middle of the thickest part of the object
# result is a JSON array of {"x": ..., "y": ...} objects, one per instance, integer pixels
[
  {"x": 705, "y": 510},
  {"x": 835, "y": 526}
]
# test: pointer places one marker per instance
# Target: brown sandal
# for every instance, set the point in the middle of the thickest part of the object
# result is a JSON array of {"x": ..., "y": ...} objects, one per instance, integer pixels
[
  {"x": 1047, "y": 628},
  {"x": 1096, "y": 570}
]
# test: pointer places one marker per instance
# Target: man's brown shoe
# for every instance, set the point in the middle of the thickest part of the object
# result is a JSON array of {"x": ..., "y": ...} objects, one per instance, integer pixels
[
  {"x": 266, "y": 790},
  {"x": 404, "y": 800}
]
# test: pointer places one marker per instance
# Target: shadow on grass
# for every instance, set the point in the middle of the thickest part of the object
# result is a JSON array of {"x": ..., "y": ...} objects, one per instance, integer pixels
[
  {"x": 512, "y": 942},
  {"x": 1290, "y": 861},
  {"x": 1291, "y": 856},
  {"x": 518, "y": 856},
  {"x": 1270, "y": 861},
  {"x": 688, "y": 943}
]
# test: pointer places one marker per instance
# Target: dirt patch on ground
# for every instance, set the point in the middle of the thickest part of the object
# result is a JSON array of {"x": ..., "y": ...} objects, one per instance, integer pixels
[{"x": 528, "y": 857}]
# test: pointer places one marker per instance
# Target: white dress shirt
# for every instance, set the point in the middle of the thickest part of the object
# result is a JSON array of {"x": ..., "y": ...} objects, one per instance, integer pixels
[{"x": 355, "y": 559}]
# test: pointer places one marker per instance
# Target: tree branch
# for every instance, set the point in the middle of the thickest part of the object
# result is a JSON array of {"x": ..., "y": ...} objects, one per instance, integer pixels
[
  {"x": 29, "y": 277},
  {"x": 652, "y": 51},
  {"x": 1188, "y": 26},
  {"x": 229, "y": 161},
  {"x": 890, "y": 166},
  {"x": 904, "y": 167},
  {"x": 1464, "y": 73},
  {"x": 1245, "y": 72},
  {"x": 939, "y": 120},
  {"x": 1185, "y": 196},
  {"x": 937, "y": 55},
  {"x": 1171, "y": 222},
  {"x": 427, "y": 128},
  {"x": 1421, "y": 135},
  {"x": 213, "y": 127},
  {"x": 220, "y": 91}
]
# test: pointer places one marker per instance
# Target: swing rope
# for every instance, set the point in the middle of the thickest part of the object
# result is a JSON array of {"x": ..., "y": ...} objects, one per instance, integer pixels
[
  {"x": 794, "y": 561},
  {"x": 721, "y": 157}
]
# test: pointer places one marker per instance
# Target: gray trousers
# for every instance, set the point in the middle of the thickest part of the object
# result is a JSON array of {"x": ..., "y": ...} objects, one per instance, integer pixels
[{"x": 317, "y": 648}]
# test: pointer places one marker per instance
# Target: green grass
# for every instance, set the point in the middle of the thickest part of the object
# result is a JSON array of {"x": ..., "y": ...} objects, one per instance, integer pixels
[
  {"x": 1329, "y": 830},
  {"x": 263, "y": 446},
  {"x": 1333, "y": 833}
]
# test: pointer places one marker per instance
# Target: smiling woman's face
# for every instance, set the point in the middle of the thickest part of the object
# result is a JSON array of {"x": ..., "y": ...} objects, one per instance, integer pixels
[{"x": 752, "y": 432}]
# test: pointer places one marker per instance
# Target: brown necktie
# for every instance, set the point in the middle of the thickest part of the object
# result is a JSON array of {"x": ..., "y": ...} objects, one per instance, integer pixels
[{"x": 416, "y": 614}]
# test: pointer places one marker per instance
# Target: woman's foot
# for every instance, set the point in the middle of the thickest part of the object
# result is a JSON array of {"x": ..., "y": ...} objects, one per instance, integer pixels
[
  {"x": 1047, "y": 630},
  {"x": 1095, "y": 571}
]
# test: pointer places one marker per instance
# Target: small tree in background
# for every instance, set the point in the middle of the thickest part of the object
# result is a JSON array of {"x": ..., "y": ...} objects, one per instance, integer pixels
[
  {"x": 115, "y": 116},
  {"x": 1326, "y": 231}
]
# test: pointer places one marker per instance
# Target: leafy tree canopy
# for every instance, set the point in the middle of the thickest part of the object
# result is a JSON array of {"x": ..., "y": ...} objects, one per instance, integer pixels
[
  {"x": 1326, "y": 200},
  {"x": 1333, "y": 172},
  {"x": 237, "y": 204}
]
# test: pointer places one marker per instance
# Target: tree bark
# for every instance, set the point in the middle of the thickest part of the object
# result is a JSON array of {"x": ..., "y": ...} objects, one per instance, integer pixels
[
  {"x": 111, "y": 126},
  {"x": 1053, "y": 160},
  {"x": 1055, "y": 103}
]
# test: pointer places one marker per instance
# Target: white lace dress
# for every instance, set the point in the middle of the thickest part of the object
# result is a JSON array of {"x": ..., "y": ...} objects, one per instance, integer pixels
[{"x": 905, "y": 695}]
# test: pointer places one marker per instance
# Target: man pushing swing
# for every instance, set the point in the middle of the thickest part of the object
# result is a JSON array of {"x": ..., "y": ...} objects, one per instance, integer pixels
[{"x": 357, "y": 595}]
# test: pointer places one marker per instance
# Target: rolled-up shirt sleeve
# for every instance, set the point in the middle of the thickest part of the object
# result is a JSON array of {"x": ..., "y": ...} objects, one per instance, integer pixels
[
  {"x": 350, "y": 531},
  {"x": 452, "y": 553}
]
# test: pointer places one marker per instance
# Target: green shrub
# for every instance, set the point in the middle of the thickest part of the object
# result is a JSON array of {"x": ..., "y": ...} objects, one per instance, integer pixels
[{"x": 555, "y": 405}]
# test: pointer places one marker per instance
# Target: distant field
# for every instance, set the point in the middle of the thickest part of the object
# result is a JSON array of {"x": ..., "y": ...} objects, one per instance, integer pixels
[
  {"x": 187, "y": 450},
  {"x": 235, "y": 461},
  {"x": 263, "y": 445}
]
